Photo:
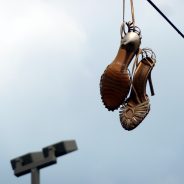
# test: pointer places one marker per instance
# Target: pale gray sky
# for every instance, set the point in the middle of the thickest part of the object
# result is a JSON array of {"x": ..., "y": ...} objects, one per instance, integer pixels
[{"x": 52, "y": 54}]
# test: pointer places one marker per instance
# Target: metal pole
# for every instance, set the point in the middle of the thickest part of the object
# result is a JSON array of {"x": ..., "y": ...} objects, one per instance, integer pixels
[
  {"x": 35, "y": 176},
  {"x": 154, "y": 6},
  {"x": 34, "y": 161}
]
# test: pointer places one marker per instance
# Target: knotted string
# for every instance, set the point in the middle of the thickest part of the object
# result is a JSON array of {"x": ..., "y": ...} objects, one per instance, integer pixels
[
  {"x": 129, "y": 24},
  {"x": 132, "y": 12}
]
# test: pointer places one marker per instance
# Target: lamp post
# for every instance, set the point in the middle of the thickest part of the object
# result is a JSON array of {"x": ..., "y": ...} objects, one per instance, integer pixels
[{"x": 34, "y": 161}]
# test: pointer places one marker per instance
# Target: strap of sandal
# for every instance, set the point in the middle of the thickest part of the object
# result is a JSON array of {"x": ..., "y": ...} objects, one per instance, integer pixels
[{"x": 135, "y": 64}]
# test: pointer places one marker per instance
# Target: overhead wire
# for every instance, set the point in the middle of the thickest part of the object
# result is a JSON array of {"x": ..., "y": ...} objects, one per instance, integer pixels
[{"x": 164, "y": 16}]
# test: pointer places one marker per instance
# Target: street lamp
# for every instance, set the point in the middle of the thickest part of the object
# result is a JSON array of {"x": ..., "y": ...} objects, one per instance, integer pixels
[{"x": 33, "y": 162}]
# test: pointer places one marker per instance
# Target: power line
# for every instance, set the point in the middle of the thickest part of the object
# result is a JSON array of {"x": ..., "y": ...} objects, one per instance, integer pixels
[{"x": 159, "y": 11}]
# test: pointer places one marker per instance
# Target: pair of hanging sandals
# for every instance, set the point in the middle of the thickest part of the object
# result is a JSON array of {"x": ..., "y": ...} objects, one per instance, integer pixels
[{"x": 119, "y": 87}]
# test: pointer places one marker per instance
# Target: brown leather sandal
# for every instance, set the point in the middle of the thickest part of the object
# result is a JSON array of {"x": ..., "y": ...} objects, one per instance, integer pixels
[
  {"x": 137, "y": 106},
  {"x": 115, "y": 81}
]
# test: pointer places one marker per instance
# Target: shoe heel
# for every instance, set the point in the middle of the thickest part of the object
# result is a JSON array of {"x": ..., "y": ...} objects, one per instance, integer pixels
[{"x": 137, "y": 106}]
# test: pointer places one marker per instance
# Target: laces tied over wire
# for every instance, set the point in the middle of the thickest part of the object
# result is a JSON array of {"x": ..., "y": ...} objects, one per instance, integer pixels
[
  {"x": 131, "y": 24},
  {"x": 132, "y": 13},
  {"x": 122, "y": 29}
]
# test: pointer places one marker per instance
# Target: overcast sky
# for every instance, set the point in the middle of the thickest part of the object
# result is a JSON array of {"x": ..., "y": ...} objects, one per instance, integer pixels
[{"x": 52, "y": 54}]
